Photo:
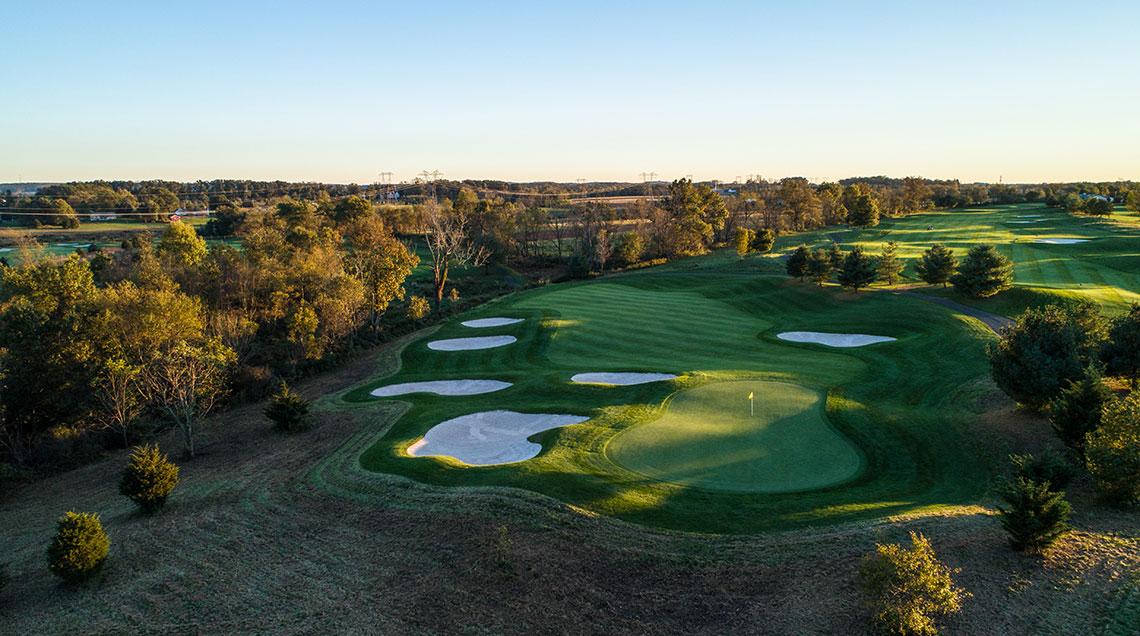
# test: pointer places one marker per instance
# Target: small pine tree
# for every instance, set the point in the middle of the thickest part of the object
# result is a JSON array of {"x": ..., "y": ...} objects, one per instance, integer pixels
[
  {"x": 1112, "y": 451},
  {"x": 908, "y": 588},
  {"x": 288, "y": 411},
  {"x": 1034, "y": 515},
  {"x": 1047, "y": 467},
  {"x": 858, "y": 270},
  {"x": 764, "y": 240},
  {"x": 1076, "y": 411},
  {"x": 742, "y": 240},
  {"x": 797, "y": 265},
  {"x": 819, "y": 266},
  {"x": 936, "y": 265},
  {"x": 80, "y": 546},
  {"x": 984, "y": 273},
  {"x": 890, "y": 267},
  {"x": 835, "y": 254},
  {"x": 149, "y": 478}
]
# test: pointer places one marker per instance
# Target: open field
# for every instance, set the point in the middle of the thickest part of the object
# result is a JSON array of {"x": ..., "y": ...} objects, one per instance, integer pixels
[{"x": 1105, "y": 269}]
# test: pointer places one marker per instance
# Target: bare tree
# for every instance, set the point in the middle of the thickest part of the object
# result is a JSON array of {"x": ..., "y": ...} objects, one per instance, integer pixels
[{"x": 448, "y": 245}]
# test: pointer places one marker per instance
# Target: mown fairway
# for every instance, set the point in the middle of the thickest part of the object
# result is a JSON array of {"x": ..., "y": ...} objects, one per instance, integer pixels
[
  {"x": 1105, "y": 269},
  {"x": 888, "y": 437}
]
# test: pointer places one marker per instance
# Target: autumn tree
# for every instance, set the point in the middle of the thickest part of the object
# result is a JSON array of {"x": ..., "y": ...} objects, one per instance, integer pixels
[
  {"x": 742, "y": 239},
  {"x": 181, "y": 245},
  {"x": 380, "y": 262},
  {"x": 862, "y": 208},
  {"x": 693, "y": 214}
]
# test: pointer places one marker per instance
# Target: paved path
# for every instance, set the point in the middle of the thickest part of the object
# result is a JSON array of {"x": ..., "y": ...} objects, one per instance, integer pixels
[{"x": 995, "y": 322}]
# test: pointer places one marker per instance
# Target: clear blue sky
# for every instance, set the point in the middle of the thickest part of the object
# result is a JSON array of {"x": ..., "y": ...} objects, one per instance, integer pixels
[{"x": 338, "y": 91}]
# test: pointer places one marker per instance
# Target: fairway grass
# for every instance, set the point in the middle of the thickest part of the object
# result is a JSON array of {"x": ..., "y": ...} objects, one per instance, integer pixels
[{"x": 710, "y": 438}]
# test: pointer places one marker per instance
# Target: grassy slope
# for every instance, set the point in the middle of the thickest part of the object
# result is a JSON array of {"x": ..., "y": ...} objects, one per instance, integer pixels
[
  {"x": 1105, "y": 270},
  {"x": 713, "y": 319}
]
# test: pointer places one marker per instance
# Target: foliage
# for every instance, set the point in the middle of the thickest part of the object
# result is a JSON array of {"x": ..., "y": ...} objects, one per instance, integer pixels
[
  {"x": 182, "y": 245},
  {"x": 858, "y": 270},
  {"x": 418, "y": 308},
  {"x": 1121, "y": 352},
  {"x": 149, "y": 478},
  {"x": 889, "y": 266},
  {"x": 1047, "y": 467},
  {"x": 742, "y": 239},
  {"x": 764, "y": 240},
  {"x": 835, "y": 255},
  {"x": 936, "y": 265},
  {"x": 79, "y": 548},
  {"x": 1112, "y": 451},
  {"x": 1076, "y": 411},
  {"x": 629, "y": 249},
  {"x": 1098, "y": 207},
  {"x": 985, "y": 272},
  {"x": 1034, "y": 515},
  {"x": 862, "y": 208},
  {"x": 693, "y": 213},
  {"x": 908, "y": 589},
  {"x": 379, "y": 261},
  {"x": 288, "y": 410},
  {"x": 1045, "y": 350},
  {"x": 187, "y": 381},
  {"x": 797, "y": 263},
  {"x": 819, "y": 266}
]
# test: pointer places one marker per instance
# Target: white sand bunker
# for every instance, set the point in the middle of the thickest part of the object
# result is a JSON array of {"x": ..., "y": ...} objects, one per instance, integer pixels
[
  {"x": 620, "y": 379},
  {"x": 468, "y": 344},
  {"x": 442, "y": 387},
  {"x": 1060, "y": 241},
  {"x": 490, "y": 437},
  {"x": 482, "y": 323},
  {"x": 1028, "y": 221},
  {"x": 833, "y": 339}
]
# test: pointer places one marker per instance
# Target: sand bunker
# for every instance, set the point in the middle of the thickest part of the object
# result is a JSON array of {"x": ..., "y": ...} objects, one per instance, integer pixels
[
  {"x": 490, "y": 322},
  {"x": 490, "y": 437},
  {"x": 468, "y": 344},
  {"x": 1060, "y": 241},
  {"x": 833, "y": 339},
  {"x": 1028, "y": 221},
  {"x": 442, "y": 387},
  {"x": 620, "y": 379}
]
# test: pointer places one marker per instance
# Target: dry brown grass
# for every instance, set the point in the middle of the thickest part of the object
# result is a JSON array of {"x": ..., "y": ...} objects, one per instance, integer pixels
[{"x": 285, "y": 534}]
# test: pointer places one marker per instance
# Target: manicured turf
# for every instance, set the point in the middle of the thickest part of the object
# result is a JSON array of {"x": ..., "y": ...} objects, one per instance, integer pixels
[
  {"x": 710, "y": 439},
  {"x": 1106, "y": 269},
  {"x": 905, "y": 406}
]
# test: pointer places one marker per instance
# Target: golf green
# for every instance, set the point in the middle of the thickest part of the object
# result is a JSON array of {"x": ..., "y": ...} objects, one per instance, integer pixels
[{"x": 709, "y": 438}]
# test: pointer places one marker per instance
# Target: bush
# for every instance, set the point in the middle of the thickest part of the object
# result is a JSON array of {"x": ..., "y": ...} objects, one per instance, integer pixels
[
  {"x": 1112, "y": 452},
  {"x": 742, "y": 239},
  {"x": 797, "y": 264},
  {"x": 1045, "y": 350},
  {"x": 764, "y": 240},
  {"x": 149, "y": 478},
  {"x": 80, "y": 546},
  {"x": 1076, "y": 411},
  {"x": 985, "y": 272},
  {"x": 418, "y": 308},
  {"x": 908, "y": 588},
  {"x": 288, "y": 411},
  {"x": 1048, "y": 467},
  {"x": 1035, "y": 515}
]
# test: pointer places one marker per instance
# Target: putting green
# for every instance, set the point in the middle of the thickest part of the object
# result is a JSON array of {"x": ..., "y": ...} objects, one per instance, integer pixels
[{"x": 708, "y": 439}]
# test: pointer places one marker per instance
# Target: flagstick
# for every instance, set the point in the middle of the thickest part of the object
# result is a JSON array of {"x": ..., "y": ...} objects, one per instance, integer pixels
[{"x": 751, "y": 406}]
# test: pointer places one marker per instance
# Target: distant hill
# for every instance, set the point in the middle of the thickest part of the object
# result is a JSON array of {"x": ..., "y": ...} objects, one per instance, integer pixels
[{"x": 23, "y": 188}]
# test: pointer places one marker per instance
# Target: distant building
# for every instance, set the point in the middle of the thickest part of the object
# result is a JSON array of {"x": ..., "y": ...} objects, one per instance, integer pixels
[
  {"x": 185, "y": 212},
  {"x": 103, "y": 216},
  {"x": 1085, "y": 196}
]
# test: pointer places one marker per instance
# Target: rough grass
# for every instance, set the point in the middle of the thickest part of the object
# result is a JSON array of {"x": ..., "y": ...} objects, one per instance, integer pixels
[
  {"x": 286, "y": 534},
  {"x": 1105, "y": 270},
  {"x": 903, "y": 405}
]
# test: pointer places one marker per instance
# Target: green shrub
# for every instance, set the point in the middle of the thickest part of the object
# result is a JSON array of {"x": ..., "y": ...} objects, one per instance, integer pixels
[
  {"x": 1076, "y": 411},
  {"x": 288, "y": 411},
  {"x": 742, "y": 240},
  {"x": 1047, "y": 467},
  {"x": 1034, "y": 514},
  {"x": 149, "y": 478},
  {"x": 908, "y": 588},
  {"x": 80, "y": 546},
  {"x": 1112, "y": 452}
]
